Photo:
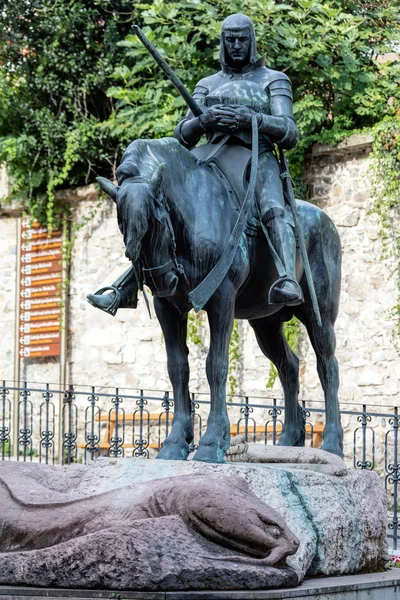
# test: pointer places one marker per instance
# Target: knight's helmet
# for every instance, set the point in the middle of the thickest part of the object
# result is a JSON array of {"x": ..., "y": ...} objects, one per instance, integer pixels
[{"x": 234, "y": 23}]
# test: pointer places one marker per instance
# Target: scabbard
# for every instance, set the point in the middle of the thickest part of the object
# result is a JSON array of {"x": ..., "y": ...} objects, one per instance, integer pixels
[{"x": 289, "y": 196}]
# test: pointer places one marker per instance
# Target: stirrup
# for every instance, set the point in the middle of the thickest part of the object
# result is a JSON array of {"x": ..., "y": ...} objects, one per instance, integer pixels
[
  {"x": 114, "y": 306},
  {"x": 284, "y": 280}
]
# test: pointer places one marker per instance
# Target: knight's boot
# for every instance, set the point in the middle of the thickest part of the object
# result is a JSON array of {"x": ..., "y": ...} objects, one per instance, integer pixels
[
  {"x": 282, "y": 243},
  {"x": 121, "y": 294}
]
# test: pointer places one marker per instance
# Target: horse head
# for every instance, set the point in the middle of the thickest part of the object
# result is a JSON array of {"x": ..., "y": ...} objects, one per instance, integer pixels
[{"x": 144, "y": 221}]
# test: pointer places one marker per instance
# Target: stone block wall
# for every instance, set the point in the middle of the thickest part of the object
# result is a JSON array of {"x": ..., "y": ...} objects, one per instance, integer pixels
[
  {"x": 8, "y": 253},
  {"x": 340, "y": 183}
]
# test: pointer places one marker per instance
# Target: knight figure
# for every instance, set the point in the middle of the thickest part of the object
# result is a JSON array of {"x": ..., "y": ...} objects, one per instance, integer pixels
[{"x": 242, "y": 87}]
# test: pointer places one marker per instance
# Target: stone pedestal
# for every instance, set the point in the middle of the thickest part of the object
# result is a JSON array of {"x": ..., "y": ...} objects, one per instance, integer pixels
[{"x": 339, "y": 520}]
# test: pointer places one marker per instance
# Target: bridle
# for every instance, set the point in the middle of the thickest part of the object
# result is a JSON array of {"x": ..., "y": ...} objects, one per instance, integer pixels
[{"x": 151, "y": 274}]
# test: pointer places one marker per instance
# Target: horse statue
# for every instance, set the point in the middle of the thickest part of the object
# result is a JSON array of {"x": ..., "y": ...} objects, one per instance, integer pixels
[{"x": 176, "y": 216}]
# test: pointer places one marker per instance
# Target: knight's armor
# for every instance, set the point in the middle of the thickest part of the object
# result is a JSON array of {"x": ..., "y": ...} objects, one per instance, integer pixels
[
  {"x": 264, "y": 90},
  {"x": 269, "y": 94}
]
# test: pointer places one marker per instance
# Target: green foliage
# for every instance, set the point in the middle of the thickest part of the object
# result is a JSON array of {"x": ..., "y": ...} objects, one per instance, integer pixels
[
  {"x": 194, "y": 328},
  {"x": 292, "y": 332},
  {"x": 57, "y": 59},
  {"x": 76, "y": 86},
  {"x": 195, "y": 335},
  {"x": 5, "y": 448},
  {"x": 329, "y": 51},
  {"x": 234, "y": 358},
  {"x": 386, "y": 181}
]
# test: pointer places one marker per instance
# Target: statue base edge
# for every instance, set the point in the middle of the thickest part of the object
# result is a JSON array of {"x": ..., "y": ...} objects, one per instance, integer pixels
[{"x": 380, "y": 586}]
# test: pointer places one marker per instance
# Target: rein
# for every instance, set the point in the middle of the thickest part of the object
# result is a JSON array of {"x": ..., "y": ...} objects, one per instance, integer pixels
[{"x": 173, "y": 263}]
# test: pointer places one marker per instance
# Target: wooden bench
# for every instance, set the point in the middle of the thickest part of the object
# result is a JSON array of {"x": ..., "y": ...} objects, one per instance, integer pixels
[
  {"x": 153, "y": 419},
  {"x": 316, "y": 431}
]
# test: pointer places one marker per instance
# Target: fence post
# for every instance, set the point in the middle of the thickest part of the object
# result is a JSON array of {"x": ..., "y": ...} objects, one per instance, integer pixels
[
  {"x": 392, "y": 473},
  {"x": 364, "y": 419},
  {"x": 5, "y": 429},
  {"x": 167, "y": 404},
  {"x": 193, "y": 407},
  {"x": 69, "y": 432},
  {"x": 25, "y": 432},
  {"x": 274, "y": 413},
  {"x": 47, "y": 434},
  {"x": 140, "y": 446},
  {"x": 92, "y": 439},
  {"x": 116, "y": 442}
]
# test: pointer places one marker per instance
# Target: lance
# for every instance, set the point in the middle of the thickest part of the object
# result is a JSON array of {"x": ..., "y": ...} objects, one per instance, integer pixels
[
  {"x": 202, "y": 293},
  {"x": 174, "y": 79}
]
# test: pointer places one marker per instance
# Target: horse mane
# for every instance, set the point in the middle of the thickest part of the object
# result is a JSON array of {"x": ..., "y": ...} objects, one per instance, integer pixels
[
  {"x": 194, "y": 194},
  {"x": 144, "y": 157}
]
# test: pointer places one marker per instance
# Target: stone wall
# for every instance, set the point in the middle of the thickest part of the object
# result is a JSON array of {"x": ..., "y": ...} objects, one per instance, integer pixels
[
  {"x": 340, "y": 183},
  {"x": 8, "y": 253},
  {"x": 128, "y": 350}
]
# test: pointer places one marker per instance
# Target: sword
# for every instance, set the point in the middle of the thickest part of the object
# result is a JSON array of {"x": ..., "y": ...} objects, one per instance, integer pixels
[{"x": 289, "y": 194}]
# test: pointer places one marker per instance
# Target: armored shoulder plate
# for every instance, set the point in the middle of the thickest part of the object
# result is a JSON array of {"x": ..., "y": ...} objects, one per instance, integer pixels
[
  {"x": 269, "y": 79},
  {"x": 205, "y": 85}
]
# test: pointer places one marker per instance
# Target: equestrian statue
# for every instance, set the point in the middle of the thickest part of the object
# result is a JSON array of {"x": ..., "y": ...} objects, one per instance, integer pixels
[{"x": 216, "y": 227}]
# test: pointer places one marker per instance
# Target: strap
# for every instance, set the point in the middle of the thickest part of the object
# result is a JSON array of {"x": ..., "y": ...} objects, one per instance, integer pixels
[
  {"x": 203, "y": 292},
  {"x": 217, "y": 147},
  {"x": 161, "y": 270},
  {"x": 280, "y": 267},
  {"x": 125, "y": 277},
  {"x": 289, "y": 196}
]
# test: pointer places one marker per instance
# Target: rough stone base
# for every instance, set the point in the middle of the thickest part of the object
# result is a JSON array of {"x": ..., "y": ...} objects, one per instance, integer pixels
[{"x": 340, "y": 521}]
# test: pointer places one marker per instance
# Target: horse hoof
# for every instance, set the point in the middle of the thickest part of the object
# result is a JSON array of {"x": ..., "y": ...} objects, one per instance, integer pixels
[
  {"x": 210, "y": 454},
  {"x": 293, "y": 438},
  {"x": 333, "y": 441},
  {"x": 333, "y": 446},
  {"x": 173, "y": 452}
]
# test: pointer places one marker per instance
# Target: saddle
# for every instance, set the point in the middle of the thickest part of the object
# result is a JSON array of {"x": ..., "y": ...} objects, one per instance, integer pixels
[{"x": 230, "y": 161}]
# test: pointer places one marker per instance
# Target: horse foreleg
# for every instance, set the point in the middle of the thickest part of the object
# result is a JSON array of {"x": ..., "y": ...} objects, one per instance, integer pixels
[
  {"x": 273, "y": 344},
  {"x": 174, "y": 326},
  {"x": 220, "y": 309}
]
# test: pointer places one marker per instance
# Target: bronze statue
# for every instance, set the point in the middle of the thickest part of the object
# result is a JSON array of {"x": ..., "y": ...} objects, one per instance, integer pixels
[
  {"x": 212, "y": 228},
  {"x": 245, "y": 81}
]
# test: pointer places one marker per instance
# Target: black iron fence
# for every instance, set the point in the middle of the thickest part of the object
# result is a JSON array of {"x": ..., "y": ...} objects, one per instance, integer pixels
[{"x": 46, "y": 424}]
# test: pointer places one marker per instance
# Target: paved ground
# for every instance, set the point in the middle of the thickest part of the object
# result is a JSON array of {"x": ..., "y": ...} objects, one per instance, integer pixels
[{"x": 373, "y": 586}]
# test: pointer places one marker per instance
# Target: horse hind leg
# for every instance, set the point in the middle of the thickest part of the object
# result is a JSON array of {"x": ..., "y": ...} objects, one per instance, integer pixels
[
  {"x": 323, "y": 340},
  {"x": 273, "y": 343}
]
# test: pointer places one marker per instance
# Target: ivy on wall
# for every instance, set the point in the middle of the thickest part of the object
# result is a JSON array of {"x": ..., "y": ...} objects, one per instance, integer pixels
[
  {"x": 194, "y": 329},
  {"x": 57, "y": 59},
  {"x": 234, "y": 359},
  {"x": 386, "y": 184}
]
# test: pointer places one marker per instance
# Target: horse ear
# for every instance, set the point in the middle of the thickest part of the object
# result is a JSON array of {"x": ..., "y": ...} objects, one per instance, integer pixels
[
  {"x": 108, "y": 187},
  {"x": 157, "y": 180}
]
